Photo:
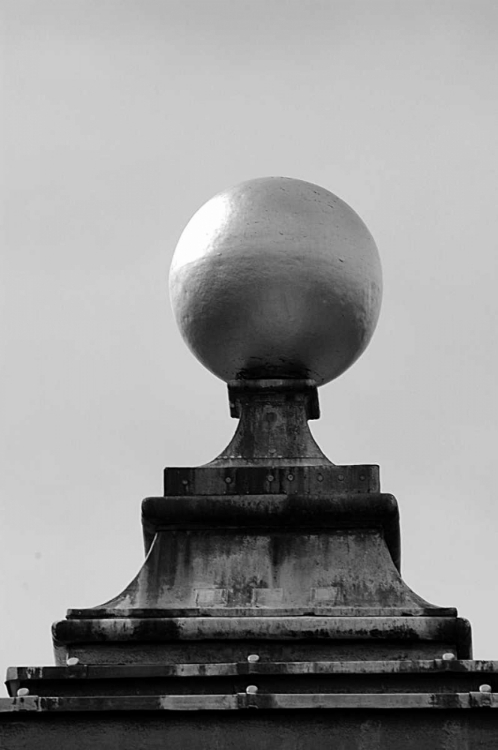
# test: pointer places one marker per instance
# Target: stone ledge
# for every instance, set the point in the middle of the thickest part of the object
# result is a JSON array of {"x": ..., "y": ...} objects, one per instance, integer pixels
[
  {"x": 96, "y": 613},
  {"x": 240, "y": 512},
  {"x": 271, "y": 479},
  {"x": 153, "y": 630},
  {"x": 434, "y": 676},
  {"x": 327, "y": 701},
  {"x": 136, "y": 671}
]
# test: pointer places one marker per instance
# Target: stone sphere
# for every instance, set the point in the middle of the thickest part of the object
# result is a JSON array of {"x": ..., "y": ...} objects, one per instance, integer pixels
[{"x": 276, "y": 278}]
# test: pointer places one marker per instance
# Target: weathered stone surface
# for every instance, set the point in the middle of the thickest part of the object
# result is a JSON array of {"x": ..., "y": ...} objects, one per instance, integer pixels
[
  {"x": 435, "y": 676},
  {"x": 268, "y": 568},
  {"x": 109, "y": 639},
  {"x": 113, "y": 724},
  {"x": 304, "y": 705}
]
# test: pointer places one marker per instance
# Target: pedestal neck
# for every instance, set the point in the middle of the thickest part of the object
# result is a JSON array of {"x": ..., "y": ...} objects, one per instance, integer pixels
[{"x": 273, "y": 428}]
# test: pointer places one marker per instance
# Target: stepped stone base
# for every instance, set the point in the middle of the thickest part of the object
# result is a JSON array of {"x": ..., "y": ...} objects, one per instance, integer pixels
[
  {"x": 435, "y": 705},
  {"x": 269, "y": 613}
]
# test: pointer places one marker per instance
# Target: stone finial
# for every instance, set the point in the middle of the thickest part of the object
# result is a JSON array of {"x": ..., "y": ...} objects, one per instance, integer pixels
[{"x": 276, "y": 278}]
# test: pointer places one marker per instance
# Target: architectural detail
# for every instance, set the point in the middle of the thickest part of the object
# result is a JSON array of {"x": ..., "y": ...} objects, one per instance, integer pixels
[{"x": 272, "y": 576}]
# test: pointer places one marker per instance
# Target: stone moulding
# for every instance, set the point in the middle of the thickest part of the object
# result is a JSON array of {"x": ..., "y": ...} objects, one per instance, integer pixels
[
  {"x": 240, "y": 701},
  {"x": 414, "y": 676},
  {"x": 268, "y": 567},
  {"x": 230, "y": 480}
]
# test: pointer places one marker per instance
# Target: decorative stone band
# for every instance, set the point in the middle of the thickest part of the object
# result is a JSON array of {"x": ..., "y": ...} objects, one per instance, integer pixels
[
  {"x": 152, "y": 630},
  {"x": 278, "y": 511},
  {"x": 339, "y": 701},
  {"x": 429, "y": 675},
  {"x": 271, "y": 479},
  {"x": 244, "y": 393}
]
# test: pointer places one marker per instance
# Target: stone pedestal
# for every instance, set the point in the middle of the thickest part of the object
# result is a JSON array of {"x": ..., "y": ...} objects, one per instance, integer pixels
[
  {"x": 295, "y": 576},
  {"x": 271, "y": 582},
  {"x": 270, "y": 611}
]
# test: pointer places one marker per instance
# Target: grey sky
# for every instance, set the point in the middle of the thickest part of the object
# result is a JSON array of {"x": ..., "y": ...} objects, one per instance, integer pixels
[{"x": 121, "y": 119}]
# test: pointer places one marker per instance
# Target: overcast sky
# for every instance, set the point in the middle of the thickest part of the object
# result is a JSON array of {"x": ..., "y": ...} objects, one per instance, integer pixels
[{"x": 123, "y": 117}]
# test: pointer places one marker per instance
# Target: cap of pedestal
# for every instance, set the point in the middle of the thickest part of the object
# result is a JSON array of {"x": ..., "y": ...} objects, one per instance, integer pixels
[{"x": 276, "y": 278}]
